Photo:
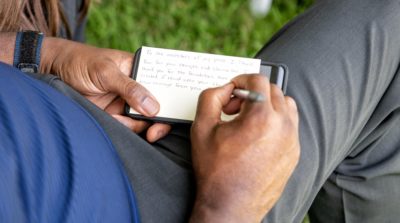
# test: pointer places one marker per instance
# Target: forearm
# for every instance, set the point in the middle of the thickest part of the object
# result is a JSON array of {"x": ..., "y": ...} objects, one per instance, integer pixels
[
  {"x": 218, "y": 200},
  {"x": 49, "y": 49},
  {"x": 203, "y": 213},
  {"x": 7, "y": 45}
]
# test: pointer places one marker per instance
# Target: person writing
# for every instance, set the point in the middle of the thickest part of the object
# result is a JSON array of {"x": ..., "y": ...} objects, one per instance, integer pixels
[
  {"x": 90, "y": 181},
  {"x": 344, "y": 58}
]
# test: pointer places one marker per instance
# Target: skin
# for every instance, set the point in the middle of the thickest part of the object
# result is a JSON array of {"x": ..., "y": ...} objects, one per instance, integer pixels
[
  {"x": 241, "y": 166},
  {"x": 101, "y": 75}
]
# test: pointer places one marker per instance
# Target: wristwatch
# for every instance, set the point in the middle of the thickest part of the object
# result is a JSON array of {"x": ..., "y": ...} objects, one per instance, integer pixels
[{"x": 27, "y": 51}]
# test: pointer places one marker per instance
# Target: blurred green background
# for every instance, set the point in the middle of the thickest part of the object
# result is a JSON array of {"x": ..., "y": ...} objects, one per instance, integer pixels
[{"x": 214, "y": 26}]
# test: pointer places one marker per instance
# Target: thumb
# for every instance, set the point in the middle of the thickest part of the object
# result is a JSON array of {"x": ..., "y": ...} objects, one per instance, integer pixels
[
  {"x": 211, "y": 103},
  {"x": 137, "y": 96}
]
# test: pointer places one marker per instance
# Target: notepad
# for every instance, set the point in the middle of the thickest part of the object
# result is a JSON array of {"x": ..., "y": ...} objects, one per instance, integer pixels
[{"x": 176, "y": 78}]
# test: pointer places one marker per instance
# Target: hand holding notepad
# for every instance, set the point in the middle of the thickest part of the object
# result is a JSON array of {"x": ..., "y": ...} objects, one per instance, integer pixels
[{"x": 176, "y": 78}]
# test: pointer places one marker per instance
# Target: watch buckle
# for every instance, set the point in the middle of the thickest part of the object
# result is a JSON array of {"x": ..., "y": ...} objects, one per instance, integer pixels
[{"x": 28, "y": 67}]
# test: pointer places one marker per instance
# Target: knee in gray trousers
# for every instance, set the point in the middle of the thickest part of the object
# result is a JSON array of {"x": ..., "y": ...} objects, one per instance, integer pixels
[{"x": 343, "y": 58}]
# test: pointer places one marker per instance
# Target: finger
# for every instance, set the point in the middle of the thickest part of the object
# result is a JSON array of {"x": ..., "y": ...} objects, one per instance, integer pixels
[
  {"x": 277, "y": 98},
  {"x": 233, "y": 106},
  {"x": 102, "y": 101},
  {"x": 124, "y": 60},
  {"x": 292, "y": 107},
  {"x": 157, "y": 131},
  {"x": 116, "y": 107},
  {"x": 254, "y": 82},
  {"x": 136, "y": 126},
  {"x": 257, "y": 83},
  {"x": 210, "y": 104},
  {"x": 138, "y": 97}
]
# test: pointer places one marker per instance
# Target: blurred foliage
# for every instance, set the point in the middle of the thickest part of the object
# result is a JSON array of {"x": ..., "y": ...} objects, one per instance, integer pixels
[{"x": 215, "y": 26}]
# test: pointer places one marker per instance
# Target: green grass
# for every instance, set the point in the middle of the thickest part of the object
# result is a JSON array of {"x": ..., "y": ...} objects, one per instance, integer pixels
[{"x": 214, "y": 26}]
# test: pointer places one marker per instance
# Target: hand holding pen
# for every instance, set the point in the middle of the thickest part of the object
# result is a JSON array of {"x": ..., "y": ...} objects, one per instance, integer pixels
[
  {"x": 243, "y": 157},
  {"x": 248, "y": 95}
]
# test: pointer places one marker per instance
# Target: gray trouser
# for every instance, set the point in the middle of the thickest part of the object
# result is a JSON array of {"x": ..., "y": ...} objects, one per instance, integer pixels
[{"x": 343, "y": 58}]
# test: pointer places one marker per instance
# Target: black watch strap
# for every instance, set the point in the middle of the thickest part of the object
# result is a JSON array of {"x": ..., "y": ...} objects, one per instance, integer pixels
[{"x": 27, "y": 51}]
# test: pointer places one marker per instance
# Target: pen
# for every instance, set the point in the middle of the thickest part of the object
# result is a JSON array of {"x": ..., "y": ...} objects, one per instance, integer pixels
[{"x": 248, "y": 95}]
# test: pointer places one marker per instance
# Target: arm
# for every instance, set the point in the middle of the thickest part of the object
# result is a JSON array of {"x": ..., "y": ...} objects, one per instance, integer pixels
[
  {"x": 101, "y": 75},
  {"x": 242, "y": 166},
  {"x": 7, "y": 44}
]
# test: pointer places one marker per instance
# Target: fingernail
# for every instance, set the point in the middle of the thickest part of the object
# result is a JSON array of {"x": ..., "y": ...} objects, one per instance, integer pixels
[{"x": 150, "y": 106}]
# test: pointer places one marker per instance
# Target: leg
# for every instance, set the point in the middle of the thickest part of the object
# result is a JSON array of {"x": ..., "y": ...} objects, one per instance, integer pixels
[
  {"x": 56, "y": 162},
  {"x": 306, "y": 53},
  {"x": 365, "y": 186},
  {"x": 344, "y": 59},
  {"x": 160, "y": 174}
]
